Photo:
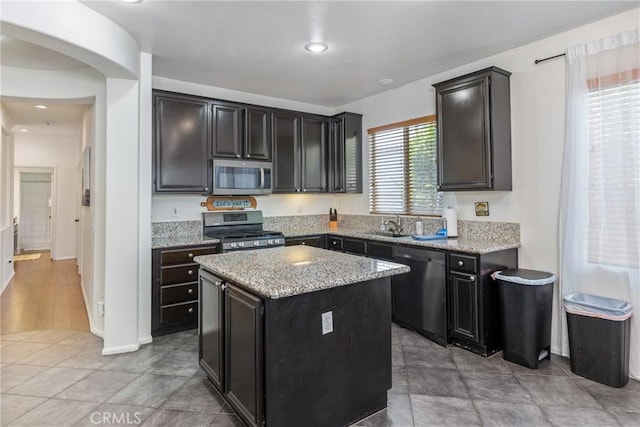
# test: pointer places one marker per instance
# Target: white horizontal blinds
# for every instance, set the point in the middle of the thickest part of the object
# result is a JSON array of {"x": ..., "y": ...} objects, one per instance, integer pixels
[
  {"x": 387, "y": 171},
  {"x": 614, "y": 174},
  {"x": 402, "y": 168}
]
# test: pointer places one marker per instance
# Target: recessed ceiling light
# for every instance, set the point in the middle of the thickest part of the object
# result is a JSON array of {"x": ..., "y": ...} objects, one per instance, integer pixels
[
  {"x": 385, "y": 82},
  {"x": 24, "y": 130},
  {"x": 131, "y": 1},
  {"x": 316, "y": 47},
  {"x": 42, "y": 107}
]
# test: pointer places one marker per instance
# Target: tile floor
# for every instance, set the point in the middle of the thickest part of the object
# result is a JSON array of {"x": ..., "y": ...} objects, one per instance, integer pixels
[{"x": 56, "y": 378}]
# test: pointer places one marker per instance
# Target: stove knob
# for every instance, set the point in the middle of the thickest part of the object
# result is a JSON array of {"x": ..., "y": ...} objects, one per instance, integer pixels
[
  {"x": 270, "y": 242},
  {"x": 233, "y": 245},
  {"x": 241, "y": 244},
  {"x": 256, "y": 243}
]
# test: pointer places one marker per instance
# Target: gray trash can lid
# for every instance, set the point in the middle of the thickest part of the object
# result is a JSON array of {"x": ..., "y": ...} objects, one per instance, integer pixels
[
  {"x": 597, "y": 306},
  {"x": 522, "y": 276}
]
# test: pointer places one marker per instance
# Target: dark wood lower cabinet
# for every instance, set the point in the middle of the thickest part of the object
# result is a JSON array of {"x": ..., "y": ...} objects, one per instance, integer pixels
[
  {"x": 474, "y": 310},
  {"x": 211, "y": 336},
  {"x": 244, "y": 354},
  {"x": 174, "y": 291},
  {"x": 464, "y": 313}
]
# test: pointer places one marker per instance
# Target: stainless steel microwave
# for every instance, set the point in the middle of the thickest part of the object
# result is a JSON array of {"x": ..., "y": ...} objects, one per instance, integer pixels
[{"x": 241, "y": 177}]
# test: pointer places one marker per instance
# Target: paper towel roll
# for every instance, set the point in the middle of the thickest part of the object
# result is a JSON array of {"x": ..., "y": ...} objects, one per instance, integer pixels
[{"x": 449, "y": 213}]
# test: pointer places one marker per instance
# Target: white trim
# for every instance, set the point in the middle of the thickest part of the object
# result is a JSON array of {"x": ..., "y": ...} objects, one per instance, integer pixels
[
  {"x": 120, "y": 349},
  {"x": 60, "y": 258},
  {"x": 145, "y": 340},
  {"x": 6, "y": 284},
  {"x": 95, "y": 331}
]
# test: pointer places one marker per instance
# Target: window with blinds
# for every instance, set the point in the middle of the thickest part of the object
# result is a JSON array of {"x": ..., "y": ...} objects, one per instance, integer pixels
[
  {"x": 614, "y": 174},
  {"x": 403, "y": 168}
]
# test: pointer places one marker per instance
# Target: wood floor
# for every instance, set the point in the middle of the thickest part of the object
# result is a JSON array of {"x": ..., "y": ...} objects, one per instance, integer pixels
[{"x": 43, "y": 294}]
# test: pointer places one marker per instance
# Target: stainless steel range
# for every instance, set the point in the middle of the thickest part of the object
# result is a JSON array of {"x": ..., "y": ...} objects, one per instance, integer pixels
[{"x": 239, "y": 230}]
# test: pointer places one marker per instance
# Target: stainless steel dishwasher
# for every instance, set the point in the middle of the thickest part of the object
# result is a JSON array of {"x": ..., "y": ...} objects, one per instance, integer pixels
[{"x": 420, "y": 297}]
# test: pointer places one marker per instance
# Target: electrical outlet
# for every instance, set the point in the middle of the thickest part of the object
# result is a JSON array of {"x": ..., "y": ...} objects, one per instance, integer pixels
[
  {"x": 174, "y": 212},
  {"x": 327, "y": 322},
  {"x": 100, "y": 307}
]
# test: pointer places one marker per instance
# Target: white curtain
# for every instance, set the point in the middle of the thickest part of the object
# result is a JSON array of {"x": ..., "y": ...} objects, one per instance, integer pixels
[{"x": 600, "y": 196}]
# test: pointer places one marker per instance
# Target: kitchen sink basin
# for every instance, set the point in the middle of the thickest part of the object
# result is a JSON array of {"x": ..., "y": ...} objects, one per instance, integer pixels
[{"x": 389, "y": 234}]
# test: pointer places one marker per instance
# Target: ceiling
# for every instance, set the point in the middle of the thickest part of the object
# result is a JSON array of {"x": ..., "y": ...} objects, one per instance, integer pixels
[
  {"x": 258, "y": 46},
  {"x": 18, "y": 53},
  {"x": 61, "y": 118}
]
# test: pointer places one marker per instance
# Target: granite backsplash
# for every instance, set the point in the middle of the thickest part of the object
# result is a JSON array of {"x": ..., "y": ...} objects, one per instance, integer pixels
[{"x": 507, "y": 232}]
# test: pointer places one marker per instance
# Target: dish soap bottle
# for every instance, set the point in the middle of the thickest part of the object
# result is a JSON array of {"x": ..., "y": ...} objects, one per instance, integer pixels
[{"x": 382, "y": 226}]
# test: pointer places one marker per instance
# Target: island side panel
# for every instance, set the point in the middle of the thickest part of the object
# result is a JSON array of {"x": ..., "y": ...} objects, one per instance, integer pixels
[{"x": 333, "y": 379}]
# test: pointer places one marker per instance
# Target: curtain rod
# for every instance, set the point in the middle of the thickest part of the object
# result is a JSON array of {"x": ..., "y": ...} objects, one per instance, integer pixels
[{"x": 537, "y": 61}]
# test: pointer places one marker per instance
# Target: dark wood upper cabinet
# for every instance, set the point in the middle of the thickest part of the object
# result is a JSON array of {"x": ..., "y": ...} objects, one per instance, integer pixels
[
  {"x": 314, "y": 141},
  {"x": 345, "y": 154},
  {"x": 286, "y": 152},
  {"x": 257, "y": 134},
  {"x": 227, "y": 130},
  {"x": 181, "y": 144},
  {"x": 474, "y": 131}
]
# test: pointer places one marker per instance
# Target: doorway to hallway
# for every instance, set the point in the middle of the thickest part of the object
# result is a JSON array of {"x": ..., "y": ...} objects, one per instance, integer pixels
[{"x": 35, "y": 213}]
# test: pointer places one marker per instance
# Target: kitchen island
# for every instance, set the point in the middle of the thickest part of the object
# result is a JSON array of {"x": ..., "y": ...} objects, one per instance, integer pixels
[{"x": 297, "y": 335}]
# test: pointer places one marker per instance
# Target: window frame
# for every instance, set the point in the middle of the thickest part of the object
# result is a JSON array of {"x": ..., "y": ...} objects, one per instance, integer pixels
[{"x": 407, "y": 204}]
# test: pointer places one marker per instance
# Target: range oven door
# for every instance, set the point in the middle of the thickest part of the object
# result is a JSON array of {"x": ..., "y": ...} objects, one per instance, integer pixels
[{"x": 241, "y": 177}]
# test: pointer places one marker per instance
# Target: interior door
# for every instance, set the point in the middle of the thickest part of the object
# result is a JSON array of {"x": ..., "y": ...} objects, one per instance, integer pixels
[{"x": 35, "y": 211}]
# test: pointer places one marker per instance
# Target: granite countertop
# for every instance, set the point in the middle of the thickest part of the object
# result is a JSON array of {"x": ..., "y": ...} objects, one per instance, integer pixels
[
  {"x": 171, "y": 242},
  {"x": 294, "y": 270},
  {"x": 460, "y": 245}
]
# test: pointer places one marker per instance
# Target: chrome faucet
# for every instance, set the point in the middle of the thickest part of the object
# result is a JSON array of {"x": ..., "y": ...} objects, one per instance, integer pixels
[{"x": 397, "y": 225}]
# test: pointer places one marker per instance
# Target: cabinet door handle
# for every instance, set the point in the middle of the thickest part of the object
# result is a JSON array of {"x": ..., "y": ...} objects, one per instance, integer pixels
[
  {"x": 223, "y": 287},
  {"x": 304, "y": 191},
  {"x": 248, "y": 156},
  {"x": 304, "y": 243},
  {"x": 190, "y": 310},
  {"x": 206, "y": 188},
  {"x": 237, "y": 156},
  {"x": 190, "y": 255},
  {"x": 190, "y": 291},
  {"x": 190, "y": 272},
  {"x": 472, "y": 278},
  {"x": 460, "y": 263}
]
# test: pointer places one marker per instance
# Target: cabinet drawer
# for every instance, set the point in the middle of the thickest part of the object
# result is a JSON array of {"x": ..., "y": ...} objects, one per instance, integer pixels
[
  {"x": 183, "y": 256},
  {"x": 179, "y": 274},
  {"x": 179, "y": 313},
  {"x": 316, "y": 241},
  {"x": 379, "y": 250},
  {"x": 357, "y": 247},
  {"x": 464, "y": 263},
  {"x": 178, "y": 293},
  {"x": 334, "y": 243}
]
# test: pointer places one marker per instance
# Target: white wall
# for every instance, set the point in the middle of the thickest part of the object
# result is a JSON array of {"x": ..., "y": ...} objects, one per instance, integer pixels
[
  {"x": 62, "y": 154},
  {"x": 86, "y": 242},
  {"x": 537, "y": 128}
]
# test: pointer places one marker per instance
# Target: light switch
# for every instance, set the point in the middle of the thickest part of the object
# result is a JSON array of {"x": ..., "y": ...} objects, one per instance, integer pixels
[{"x": 327, "y": 322}]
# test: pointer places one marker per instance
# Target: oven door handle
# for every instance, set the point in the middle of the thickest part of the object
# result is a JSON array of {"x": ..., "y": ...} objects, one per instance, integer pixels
[{"x": 262, "y": 178}]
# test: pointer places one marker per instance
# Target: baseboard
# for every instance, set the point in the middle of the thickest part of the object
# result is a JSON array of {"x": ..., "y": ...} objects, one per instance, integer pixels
[
  {"x": 6, "y": 284},
  {"x": 96, "y": 331},
  {"x": 145, "y": 340},
  {"x": 61, "y": 258},
  {"x": 120, "y": 349}
]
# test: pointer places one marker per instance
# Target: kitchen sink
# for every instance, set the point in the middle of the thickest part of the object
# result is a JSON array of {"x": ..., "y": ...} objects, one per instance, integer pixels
[{"x": 389, "y": 234}]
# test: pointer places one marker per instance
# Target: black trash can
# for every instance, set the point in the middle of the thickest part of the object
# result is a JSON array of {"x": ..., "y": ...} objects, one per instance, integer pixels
[
  {"x": 599, "y": 338},
  {"x": 526, "y": 298}
]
